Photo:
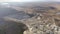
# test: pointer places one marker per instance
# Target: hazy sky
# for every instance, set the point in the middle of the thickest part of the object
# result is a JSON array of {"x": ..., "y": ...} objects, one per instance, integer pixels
[{"x": 25, "y": 0}]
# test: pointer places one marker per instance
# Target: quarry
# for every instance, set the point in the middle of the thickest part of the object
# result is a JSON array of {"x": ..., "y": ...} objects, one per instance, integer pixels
[{"x": 31, "y": 18}]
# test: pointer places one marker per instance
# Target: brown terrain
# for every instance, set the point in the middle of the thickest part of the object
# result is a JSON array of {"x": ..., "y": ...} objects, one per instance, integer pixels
[{"x": 32, "y": 18}]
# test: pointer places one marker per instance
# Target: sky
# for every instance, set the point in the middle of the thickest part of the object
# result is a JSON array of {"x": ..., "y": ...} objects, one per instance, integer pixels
[{"x": 26, "y": 0}]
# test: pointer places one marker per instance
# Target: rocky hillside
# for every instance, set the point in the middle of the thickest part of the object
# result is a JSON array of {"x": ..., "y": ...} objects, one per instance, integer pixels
[{"x": 43, "y": 20}]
